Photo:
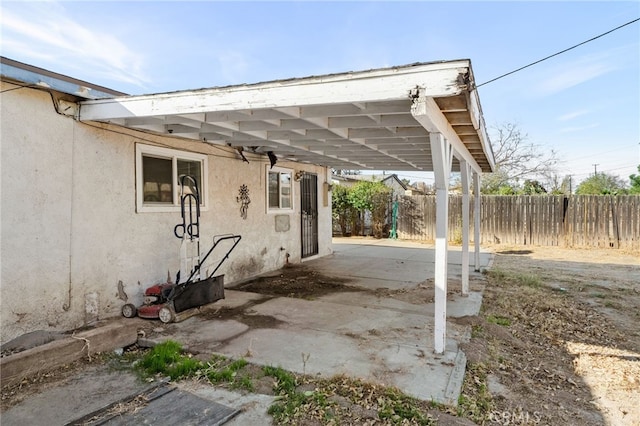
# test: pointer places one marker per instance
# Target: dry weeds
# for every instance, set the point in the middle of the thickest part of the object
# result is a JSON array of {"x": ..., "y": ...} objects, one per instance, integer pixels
[{"x": 563, "y": 353}]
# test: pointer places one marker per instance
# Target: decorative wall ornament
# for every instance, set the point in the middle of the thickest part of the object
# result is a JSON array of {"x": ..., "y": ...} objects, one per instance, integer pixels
[{"x": 244, "y": 201}]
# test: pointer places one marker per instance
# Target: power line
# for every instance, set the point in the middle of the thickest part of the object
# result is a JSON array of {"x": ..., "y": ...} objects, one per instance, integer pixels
[
  {"x": 558, "y": 53},
  {"x": 610, "y": 169}
]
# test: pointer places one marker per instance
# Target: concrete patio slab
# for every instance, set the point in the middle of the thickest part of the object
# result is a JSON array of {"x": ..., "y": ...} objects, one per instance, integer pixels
[
  {"x": 457, "y": 305},
  {"x": 355, "y": 333},
  {"x": 388, "y": 263},
  {"x": 360, "y": 333}
]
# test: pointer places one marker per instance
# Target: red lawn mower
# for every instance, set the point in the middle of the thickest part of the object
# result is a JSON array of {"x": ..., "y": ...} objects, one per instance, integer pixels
[{"x": 164, "y": 301}]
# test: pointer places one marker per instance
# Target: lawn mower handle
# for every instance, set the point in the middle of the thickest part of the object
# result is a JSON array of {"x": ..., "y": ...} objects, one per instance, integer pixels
[{"x": 216, "y": 240}]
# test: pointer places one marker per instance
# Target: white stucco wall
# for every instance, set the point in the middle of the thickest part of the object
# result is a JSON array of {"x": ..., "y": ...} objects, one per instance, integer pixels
[{"x": 70, "y": 230}]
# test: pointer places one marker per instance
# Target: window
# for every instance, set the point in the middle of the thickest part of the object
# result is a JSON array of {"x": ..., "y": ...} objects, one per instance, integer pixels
[
  {"x": 279, "y": 189},
  {"x": 158, "y": 172}
]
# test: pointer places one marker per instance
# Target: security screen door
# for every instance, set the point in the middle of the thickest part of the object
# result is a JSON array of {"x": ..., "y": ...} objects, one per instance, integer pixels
[{"x": 309, "y": 214}]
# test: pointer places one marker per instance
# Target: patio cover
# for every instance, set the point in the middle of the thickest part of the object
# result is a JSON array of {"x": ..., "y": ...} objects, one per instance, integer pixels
[{"x": 420, "y": 117}]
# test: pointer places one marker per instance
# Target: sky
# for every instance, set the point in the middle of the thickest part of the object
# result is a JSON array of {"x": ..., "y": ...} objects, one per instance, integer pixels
[{"x": 584, "y": 103}]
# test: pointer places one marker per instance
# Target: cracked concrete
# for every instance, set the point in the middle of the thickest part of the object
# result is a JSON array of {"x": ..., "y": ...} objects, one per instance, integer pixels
[{"x": 354, "y": 333}]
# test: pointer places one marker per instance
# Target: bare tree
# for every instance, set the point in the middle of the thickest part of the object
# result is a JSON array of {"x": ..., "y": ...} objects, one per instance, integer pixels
[
  {"x": 558, "y": 185},
  {"x": 517, "y": 159}
]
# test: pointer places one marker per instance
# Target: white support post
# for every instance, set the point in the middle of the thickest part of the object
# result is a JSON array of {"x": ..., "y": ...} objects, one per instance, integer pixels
[
  {"x": 476, "y": 219},
  {"x": 441, "y": 153},
  {"x": 465, "y": 170}
]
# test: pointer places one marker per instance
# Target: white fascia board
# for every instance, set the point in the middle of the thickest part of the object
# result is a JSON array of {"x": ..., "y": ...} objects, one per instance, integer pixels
[
  {"x": 441, "y": 79},
  {"x": 475, "y": 111},
  {"x": 477, "y": 118},
  {"x": 428, "y": 114}
]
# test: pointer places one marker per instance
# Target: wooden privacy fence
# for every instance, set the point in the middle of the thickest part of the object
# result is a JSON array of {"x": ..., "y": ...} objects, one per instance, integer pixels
[{"x": 553, "y": 220}]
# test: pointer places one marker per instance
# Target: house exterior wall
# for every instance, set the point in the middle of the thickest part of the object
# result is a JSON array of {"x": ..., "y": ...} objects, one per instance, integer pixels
[
  {"x": 71, "y": 232},
  {"x": 396, "y": 188}
]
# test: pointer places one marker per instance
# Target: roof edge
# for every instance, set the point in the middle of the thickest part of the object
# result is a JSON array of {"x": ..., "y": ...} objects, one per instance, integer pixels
[
  {"x": 40, "y": 77},
  {"x": 415, "y": 67}
]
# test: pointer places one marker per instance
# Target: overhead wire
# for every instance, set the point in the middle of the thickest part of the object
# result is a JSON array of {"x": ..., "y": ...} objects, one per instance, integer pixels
[
  {"x": 479, "y": 85},
  {"x": 558, "y": 53},
  {"x": 605, "y": 170}
]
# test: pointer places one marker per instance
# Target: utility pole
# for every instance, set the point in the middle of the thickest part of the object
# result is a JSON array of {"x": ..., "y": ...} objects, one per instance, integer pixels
[{"x": 595, "y": 169}]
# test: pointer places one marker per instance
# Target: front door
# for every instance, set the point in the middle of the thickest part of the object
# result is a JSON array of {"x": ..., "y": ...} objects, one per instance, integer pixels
[{"x": 309, "y": 214}]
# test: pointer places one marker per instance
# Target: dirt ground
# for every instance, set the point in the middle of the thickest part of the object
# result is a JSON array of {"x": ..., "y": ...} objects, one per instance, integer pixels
[
  {"x": 557, "y": 340},
  {"x": 303, "y": 282},
  {"x": 295, "y": 281}
]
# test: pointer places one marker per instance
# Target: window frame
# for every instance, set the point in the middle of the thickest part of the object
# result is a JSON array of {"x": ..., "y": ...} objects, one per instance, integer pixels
[
  {"x": 280, "y": 171},
  {"x": 174, "y": 155}
]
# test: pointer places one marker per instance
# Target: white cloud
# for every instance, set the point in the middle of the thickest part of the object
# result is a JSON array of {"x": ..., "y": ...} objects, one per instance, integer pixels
[
  {"x": 579, "y": 128},
  {"x": 583, "y": 69},
  {"x": 47, "y": 31},
  {"x": 572, "y": 75},
  {"x": 571, "y": 115}
]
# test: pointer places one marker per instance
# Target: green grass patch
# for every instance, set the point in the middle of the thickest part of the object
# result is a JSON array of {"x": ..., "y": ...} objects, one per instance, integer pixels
[
  {"x": 294, "y": 405},
  {"x": 185, "y": 367},
  {"x": 500, "y": 320},
  {"x": 167, "y": 358},
  {"x": 289, "y": 406},
  {"x": 285, "y": 382},
  {"x": 224, "y": 370},
  {"x": 160, "y": 357},
  {"x": 244, "y": 382}
]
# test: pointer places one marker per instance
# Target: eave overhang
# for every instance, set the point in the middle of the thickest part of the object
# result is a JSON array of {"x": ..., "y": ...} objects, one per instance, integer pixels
[{"x": 370, "y": 120}]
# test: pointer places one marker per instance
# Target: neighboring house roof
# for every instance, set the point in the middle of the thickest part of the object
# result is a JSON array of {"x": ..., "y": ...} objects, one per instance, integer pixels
[
  {"x": 39, "y": 77},
  {"x": 394, "y": 177},
  {"x": 386, "y": 179},
  {"x": 378, "y": 119}
]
